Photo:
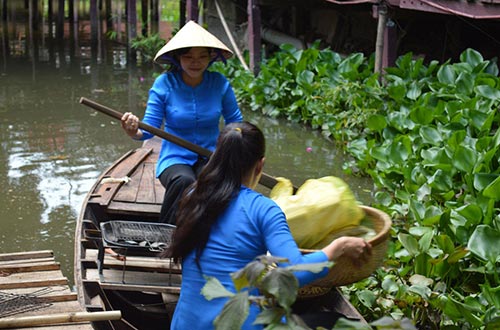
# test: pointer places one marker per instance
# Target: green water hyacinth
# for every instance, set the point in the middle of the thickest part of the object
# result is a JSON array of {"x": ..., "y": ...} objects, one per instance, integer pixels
[{"x": 428, "y": 135}]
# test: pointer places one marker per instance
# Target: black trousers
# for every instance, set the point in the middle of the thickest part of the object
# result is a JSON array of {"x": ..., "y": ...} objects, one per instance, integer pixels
[{"x": 176, "y": 179}]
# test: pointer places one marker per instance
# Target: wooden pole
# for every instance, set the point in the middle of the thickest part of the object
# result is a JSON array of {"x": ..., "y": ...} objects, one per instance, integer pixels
[
  {"x": 266, "y": 180},
  {"x": 192, "y": 10},
  {"x": 230, "y": 36},
  {"x": 379, "y": 45},
  {"x": 254, "y": 36},
  {"x": 39, "y": 320}
]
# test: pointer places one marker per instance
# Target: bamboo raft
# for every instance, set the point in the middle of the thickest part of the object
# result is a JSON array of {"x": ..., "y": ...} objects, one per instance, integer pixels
[{"x": 34, "y": 294}]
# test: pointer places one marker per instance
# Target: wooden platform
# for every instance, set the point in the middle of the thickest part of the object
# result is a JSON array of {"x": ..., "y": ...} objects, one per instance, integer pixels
[{"x": 34, "y": 281}]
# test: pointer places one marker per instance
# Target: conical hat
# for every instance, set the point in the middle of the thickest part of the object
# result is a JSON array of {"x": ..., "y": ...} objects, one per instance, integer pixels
[{"x": 191, "y": 35}]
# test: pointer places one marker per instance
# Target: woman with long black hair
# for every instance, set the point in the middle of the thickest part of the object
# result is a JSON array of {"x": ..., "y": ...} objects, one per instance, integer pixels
[{"x": 223, "y": 224}]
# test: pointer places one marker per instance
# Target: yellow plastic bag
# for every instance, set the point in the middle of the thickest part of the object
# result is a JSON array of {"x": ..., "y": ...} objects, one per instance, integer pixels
[{"x": 319, "y": 208}]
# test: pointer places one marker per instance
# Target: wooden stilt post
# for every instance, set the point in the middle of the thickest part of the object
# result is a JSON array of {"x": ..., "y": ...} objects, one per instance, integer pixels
[
  {"x": 182, "y": 13},
  {"x": 108, "y": 15},
  {"x": 60, "y": 20},
  {"x": 192, "y": 10},
  {"x": 144, "y": 18},
  {"x": 155, "y": 17},
  {"x": 131, "y": 27},
  {"x": 94, "y": 29},
  {"x": 390, "y": 40},
  {"x": 379, "y": 46},
  {"x": 254, "y": 37}
]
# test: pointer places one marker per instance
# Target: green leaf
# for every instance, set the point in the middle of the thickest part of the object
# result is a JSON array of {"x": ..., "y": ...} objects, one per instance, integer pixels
[
  {"x": 430, "y": 135},
  {"x": 214, "y": 289},
  {"x": 465, "y": 83},
  {"x": 414, "y": 92},
  {"x": 446, "y": 75},
  {"x": 410, "y": 243},
  {"x": 283, "y": 285},
  {"x": 425, "y": 242},
  {"x": 465, "y": 159},
  {"x": 269, "y": 316},
  {"x": 472, "y": 57},
  {"x": 234, "y": 313},
  {"x": 492, "y": 295},
  {"x": 366, "y": 297},
  {"x": 376, "y": 123},
  {"x": 493, "y": 190},
  {"x": 482, "y": 180},
  {"x": 484, "y": 243},
  {"x": 488, "y": 92}
]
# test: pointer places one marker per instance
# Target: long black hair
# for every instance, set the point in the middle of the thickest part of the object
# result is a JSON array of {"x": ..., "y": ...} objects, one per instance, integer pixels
[{"x": 239, "y": 147}]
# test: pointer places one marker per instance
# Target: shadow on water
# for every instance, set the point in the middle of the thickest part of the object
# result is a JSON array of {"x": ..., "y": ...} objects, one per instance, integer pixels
[{"x": 52, "y": 149}]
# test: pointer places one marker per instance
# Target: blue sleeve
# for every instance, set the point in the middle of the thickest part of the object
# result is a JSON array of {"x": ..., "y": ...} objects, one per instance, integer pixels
[
  {"x": 280, "y": 243},
  {"x": 230, "y": 110},
  {"x": 155, "y": 109}
]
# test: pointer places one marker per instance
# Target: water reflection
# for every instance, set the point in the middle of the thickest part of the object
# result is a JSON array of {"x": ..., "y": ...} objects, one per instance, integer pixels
[{"x": 52, "y": 149}]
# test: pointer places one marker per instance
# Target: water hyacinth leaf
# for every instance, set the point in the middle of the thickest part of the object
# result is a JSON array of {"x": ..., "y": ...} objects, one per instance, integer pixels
[
  {"x": 414, "y": 91},
  {"x": 305, "y": 80},
  {"x": 441, "y": 180},
  {"x": 472, "y": 57},
  {"x": 446, "y": 75},
  {"x": 409, "y": 243},
  {"x": 493, "y": 190},
  {"x": 488, "y": 92},
  {"x": 492, "y": 295},
  {"x": 492, "y": 69},
  {"x": 425, "y": 242},
  {"x": 376, "y": 123},
  {"x": 366, "y": 297},
  {"x": 234, "y": 313},
  {"x": 471, "y": 212},
  {"x": 422, "y": 115},
  {"x": 397, "y": 92},
  {"x": 430, "y": 135},
  {"x": 465, "y": 83},
  {"x": 347, "y": 324},
  {"x": 484, "y": 243},
  {"x": 445, "y": 243},
  {"x": 390, "y": 285},
  {"x": 482, "y": 180},
  {"x": 420, "y": 231},
  {"x": 214, "y": 289},
  {"x": 458, "y": 311},
  {"x": 420, "y": 280},
  {"x": 464, "y": 159},
  {"x": 390, "y": 323},
  {"x": 422, "y": 291}
]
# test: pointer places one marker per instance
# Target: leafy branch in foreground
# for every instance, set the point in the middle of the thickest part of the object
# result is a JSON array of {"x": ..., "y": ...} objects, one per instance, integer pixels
[{"x": 277, "y": 291}]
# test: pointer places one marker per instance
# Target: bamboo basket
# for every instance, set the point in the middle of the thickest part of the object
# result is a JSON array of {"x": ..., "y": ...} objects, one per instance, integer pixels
[{"x": 343, "y": 271}]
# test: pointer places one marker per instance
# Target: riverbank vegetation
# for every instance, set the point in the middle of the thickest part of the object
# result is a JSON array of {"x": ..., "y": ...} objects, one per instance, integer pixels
[{"x": 428, "y": 137}]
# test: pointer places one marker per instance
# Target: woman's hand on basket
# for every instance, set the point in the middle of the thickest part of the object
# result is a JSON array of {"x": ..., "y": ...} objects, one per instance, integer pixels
[{"x": 355, "y": 248}]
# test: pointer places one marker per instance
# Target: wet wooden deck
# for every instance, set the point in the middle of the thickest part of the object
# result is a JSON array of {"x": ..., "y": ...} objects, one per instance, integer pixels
[{"x": 34, "y": 294}]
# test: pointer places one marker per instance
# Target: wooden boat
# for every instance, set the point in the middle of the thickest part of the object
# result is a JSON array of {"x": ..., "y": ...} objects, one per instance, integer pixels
[{"x": 144, "y": 287}]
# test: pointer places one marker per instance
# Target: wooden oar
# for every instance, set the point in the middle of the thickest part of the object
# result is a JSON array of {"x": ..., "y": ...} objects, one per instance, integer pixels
[{"x": 265, "y": 180}]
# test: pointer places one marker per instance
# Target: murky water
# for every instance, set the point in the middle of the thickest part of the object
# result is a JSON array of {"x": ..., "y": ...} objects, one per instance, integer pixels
[{"x": 52, "y": 148}]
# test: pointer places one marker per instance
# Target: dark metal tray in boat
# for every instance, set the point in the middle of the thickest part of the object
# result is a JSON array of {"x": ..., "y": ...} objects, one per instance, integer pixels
[{"x": 135, "y": 235}]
